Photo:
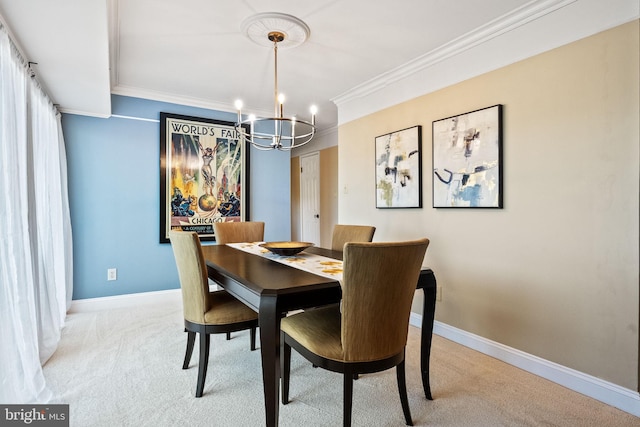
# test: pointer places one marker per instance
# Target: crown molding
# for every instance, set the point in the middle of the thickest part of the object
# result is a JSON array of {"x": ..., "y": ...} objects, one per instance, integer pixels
[
  {"x": 504, "y": 24},
  {"x": 183, "y": 100}
]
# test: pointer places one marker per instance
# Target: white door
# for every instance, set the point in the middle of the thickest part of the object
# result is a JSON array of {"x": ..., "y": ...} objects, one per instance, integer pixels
[{"x": 310, "y": 198}]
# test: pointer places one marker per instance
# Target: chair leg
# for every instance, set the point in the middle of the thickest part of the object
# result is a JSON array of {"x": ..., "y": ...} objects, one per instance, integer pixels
[
  {"x": 228, "y": 336},
  {"x": 202, "y": 364},
  {"x": 252, "y": 337},
  {"x": 285, "y": 368},
  {"x": 402, "y": 389},
  {"x": 191, "y": 339},
  {"x": 347, "y": 397}
]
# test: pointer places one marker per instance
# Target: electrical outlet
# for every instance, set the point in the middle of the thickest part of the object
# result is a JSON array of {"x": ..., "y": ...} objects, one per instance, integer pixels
[
  {"x": 439, "y": 293},
  {"x": 112, "y": 274}
]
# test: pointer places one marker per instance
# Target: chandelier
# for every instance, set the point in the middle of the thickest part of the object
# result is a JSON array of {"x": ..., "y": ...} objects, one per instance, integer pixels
[{"x": 277, "y": 132}]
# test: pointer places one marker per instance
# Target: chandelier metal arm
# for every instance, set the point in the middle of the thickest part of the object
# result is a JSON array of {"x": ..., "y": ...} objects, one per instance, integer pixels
[{"x": 280, "y": 141}]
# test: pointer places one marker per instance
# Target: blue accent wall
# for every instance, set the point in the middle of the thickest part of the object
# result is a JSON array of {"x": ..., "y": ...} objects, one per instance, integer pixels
[{"x": 114, "y": 196}]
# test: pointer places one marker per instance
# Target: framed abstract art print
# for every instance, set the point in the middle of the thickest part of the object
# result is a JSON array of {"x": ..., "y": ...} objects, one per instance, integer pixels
[
  {"x": 467, "y": 160},
  {"x": 398, "y": 169}
]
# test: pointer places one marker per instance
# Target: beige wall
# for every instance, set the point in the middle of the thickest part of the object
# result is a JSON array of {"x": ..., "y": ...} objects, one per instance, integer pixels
[
  {"x": 554, "y": 273},
  {"x": 328, "y": 195}
]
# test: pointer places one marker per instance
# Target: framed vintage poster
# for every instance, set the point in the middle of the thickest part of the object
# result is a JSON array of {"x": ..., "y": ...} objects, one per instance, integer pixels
[
  {"x": 467, "y": 160},
  {"x": 398, "y": 169},
  {"x": 203, "y": 175}
]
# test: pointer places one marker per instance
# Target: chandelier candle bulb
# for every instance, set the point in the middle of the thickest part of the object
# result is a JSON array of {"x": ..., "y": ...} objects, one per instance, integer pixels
[
  {"x": 313, "y": 110},
  {"x": 238, "y": 105}
]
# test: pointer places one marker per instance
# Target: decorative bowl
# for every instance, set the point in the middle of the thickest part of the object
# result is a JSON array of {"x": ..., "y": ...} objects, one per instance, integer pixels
[{"x": 286, "y": 248}]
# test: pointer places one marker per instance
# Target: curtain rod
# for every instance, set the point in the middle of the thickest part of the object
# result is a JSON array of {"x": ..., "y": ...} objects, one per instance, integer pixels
[{"x": 19, "y": 52}]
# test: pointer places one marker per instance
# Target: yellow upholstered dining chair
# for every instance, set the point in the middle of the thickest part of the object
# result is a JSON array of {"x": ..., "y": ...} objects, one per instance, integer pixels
[
  {"x": 369, "y": 333},
  {"x": 238, "y": 232},
  {"x": 205, "y": 312},
  {"x": 350, "y": 233}
]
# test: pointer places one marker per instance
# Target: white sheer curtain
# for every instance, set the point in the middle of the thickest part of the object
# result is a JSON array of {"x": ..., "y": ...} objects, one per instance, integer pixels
[{"x": 35, "y": 236}]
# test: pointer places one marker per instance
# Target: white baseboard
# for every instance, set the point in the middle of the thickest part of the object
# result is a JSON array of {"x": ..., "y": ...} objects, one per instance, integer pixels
[
  {"x": 122, "y": 301},
  {"x": 604, "y": 391}
]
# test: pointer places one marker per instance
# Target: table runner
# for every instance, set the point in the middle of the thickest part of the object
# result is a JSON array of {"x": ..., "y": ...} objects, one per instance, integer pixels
[{"x": 312, "y": 263}]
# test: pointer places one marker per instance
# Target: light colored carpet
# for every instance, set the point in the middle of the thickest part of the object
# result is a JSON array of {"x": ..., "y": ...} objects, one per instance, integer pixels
[{"x": 123, "y": 368}]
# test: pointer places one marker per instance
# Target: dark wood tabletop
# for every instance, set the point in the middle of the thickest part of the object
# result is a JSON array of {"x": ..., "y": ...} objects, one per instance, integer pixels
[{"x": 272, "y": 289}]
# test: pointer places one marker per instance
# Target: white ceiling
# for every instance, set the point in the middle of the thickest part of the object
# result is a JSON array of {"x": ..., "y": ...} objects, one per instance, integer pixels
[{"x": 193, "y": 52}]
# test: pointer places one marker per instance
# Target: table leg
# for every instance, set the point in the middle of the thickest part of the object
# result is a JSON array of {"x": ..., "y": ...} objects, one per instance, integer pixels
[
  {"x": 269, "y": 322},
  {"x": 428, "y": 315}
]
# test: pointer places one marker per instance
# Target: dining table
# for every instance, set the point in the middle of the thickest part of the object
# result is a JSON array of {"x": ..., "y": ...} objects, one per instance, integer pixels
[{"x": 274, "y": 288}]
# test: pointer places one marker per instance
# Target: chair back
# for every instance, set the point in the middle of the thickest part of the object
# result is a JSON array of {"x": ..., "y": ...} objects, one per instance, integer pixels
[
  {"x": 350, "y": 233},
  {"x": 237, "y": 232},
  {"x": 379, "y": 281},
  {"x": 192, "y": 272}
]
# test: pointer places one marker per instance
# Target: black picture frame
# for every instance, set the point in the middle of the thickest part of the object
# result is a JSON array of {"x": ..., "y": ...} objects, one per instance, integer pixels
[
  {"x": 204, "y": 175},
  {"x": 399, "y": 169},
  {"x": 467, "y": 160}
]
